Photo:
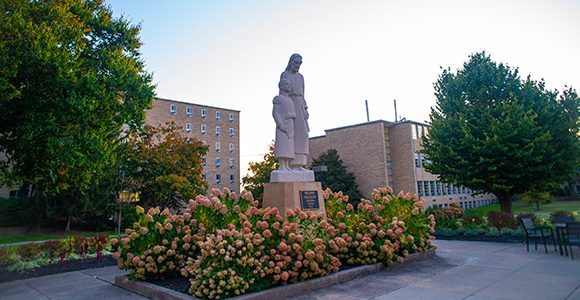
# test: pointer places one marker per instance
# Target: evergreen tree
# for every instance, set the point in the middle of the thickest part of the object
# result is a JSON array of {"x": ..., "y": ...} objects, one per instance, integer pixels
[{"x": 337, "y": 178}]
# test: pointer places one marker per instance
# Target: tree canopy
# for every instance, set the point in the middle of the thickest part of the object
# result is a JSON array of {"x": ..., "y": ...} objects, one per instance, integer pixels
[
  {"x": 337, "y": 178},
  {"x": 71, "y": 76},
  {"x": 164, "y": 166},
  {"x": 495, "y": 133},
  {"x": 260, "y": 174}
]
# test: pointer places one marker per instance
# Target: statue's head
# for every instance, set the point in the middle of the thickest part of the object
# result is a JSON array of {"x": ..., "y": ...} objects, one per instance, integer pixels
[
  {"x": 294, "y": 62},
  {"x": 285, "y": 85}
]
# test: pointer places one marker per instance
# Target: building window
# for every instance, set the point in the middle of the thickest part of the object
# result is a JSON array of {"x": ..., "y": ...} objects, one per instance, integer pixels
[
  {"x": 218, "y": 178},
  {"x": 204, "y": 177},
  {"x": 218, "y": 146},
  {"x": 13, "y": 194},
  {"x": 420, "y": 188},
  {"x": 204, "y": 129},
  {"x": 231, "y": 132},
  {"x": 204, "y": 113},
  {"x": 218, "y": 131},
  {"x": 448, "y": 189},
  {"x": 232, "y": 147},
  {"x": 187, "y": 127},
  {"x": 232, "y": 179},
  {"x": 231, "y": 117},
  {"x": 204, "y": 142},
  {"x": 189, "y": 111},
  {"x": 173, "y": 109},
  {"x": 232, "y": 163},
  {"x": 414, "y": 131},
  {"x": 417, "y": 160},
  {"x": 426, "y": 188},
  {"x": 218, "y": 115},
  {"x": 423, "y": 160},
  {"x": 432, "y": 187},
  {"x": 204, "y": 161},
  {"x": 218, "y": 162},
  {"x": 438, "y": 188},
  {"x": 444, "y": 188}
]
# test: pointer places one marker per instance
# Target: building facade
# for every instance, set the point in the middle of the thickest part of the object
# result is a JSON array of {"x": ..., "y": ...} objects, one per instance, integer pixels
[
  {"x": 219, "y": 128},
  {"x": 384, "y": 153}
]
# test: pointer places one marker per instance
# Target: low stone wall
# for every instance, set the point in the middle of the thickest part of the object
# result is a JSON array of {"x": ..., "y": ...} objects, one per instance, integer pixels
[{"x": 280, "y": 292}]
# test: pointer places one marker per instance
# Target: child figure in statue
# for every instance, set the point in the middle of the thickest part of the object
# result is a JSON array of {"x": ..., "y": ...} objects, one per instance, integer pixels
[{"x": 284, "y": 113}]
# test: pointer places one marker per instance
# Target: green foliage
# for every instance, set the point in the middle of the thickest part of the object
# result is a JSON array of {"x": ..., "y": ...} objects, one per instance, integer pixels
[
  {"x": 493, "y": 132},
  {"x": 128, "y": 216},
  {"x": 559, "y": 213},
  {"x": 260, "y": 174},
  {"x": 521, "y": 216},
  {"x": 71, "y": 76},
  {"x": 501, "y": 220},
  {"x": 537, "y": 198},
  {"x": 10, "y": 210},
  {"x": 472, "y": 221},
  {"x": 337, "y": 178},
  {"x": 164, "y": 166}
]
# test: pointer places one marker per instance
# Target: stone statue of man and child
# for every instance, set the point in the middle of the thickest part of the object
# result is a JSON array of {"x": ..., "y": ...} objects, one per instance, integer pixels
[{"x": 291, "y": 115}]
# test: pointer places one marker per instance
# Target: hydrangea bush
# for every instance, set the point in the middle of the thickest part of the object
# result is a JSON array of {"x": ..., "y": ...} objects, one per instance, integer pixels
[{"x": 387, "y": 230}]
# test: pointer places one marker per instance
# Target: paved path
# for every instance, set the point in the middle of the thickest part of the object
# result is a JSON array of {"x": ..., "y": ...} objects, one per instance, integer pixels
[{"x": 462, "y": 270}]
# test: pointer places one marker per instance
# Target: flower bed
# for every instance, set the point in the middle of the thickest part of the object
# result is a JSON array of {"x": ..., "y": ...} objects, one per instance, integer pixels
[
  {"x": 226, "y": 246},
  {"x": 27, "y": 258}
]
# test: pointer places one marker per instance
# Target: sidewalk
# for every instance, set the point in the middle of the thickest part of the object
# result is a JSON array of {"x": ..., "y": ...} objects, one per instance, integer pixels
[{"x": 462, "y": 270}]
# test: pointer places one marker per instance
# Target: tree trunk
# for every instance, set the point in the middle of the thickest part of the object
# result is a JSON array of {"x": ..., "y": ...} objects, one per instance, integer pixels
[
  {"x": 67, "y": 228},
  {"x": 505, "y": 201}
]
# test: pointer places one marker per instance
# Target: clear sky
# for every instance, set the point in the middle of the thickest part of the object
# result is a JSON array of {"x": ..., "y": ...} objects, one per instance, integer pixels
[{"x": 230, "y": 53}]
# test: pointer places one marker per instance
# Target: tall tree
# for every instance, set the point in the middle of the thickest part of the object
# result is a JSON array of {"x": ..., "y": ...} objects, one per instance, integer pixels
[
  {"x": 337, "y": 178},
  {"x": 164, "y": 166},
  {"x": 254, "y": 183},
  {"x": 71, "y": 76},
  {"x": 496, "y": 133}
]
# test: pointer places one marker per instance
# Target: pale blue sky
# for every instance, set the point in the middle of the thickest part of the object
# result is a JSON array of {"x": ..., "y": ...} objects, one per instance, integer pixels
[{"x": 230, "y": 53}]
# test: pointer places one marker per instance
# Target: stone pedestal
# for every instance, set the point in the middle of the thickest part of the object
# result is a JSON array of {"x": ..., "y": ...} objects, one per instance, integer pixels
[
  {"x": 287, "y": 195},
  {"x": 289, "y": 176}
]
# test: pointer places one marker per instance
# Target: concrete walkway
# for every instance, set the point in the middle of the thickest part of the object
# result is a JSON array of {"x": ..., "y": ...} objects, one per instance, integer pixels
[{"x": 462, "y": 270}]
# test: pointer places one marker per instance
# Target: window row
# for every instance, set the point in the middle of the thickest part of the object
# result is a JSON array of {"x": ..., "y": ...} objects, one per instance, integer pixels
[
  {"x": 218, "y": 162},
  {"x": 189, "y": 113},
  {"x": 218, "y": 130},
  {"x": 218, "y": 178},
  {"x": 434, "y": 188},
  {"x": 419, "y": 131},
  {"x": 470, "y": 204},
  {"x": 420, "y": 160}
]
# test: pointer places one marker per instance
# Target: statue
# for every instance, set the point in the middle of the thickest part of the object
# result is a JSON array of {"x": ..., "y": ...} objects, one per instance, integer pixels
[
  {"x": 301, "y": 128},
  {"x": 284, "y": 114}
]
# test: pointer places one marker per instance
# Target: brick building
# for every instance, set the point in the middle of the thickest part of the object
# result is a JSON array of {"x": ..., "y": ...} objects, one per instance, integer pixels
[
  {"x": 384, "y": 153},
  {"x": 219, "y": 128}
]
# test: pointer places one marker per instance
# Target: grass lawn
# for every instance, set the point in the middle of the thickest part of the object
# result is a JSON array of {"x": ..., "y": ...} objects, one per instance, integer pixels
[
  {"x": 10, "y": 235},
  {"x": 521, "y": 206}
]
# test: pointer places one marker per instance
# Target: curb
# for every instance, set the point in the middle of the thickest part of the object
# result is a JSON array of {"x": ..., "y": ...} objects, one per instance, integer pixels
[{"x": 280, "y": 292}]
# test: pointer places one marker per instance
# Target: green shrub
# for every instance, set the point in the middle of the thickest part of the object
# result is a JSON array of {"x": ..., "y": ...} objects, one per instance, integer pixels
[
  {"x": 501, "y": 220},
  {"x": 472, "y": 221},
  {"x": 128, "y": 216},
  {"x": 559, "y": 213},
  {"x": 492, "y": 231},
  {"x": 532, "y": 216}
]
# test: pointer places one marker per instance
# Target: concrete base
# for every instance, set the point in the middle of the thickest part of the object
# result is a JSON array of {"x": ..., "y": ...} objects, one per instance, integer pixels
[
  {"x": 286, "y": 195},
  {"x": 291, "y": 176}
]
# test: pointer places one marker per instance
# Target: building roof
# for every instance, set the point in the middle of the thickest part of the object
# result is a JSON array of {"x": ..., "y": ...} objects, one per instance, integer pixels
[{"x": 196, "y": 104}]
